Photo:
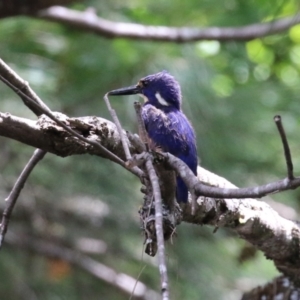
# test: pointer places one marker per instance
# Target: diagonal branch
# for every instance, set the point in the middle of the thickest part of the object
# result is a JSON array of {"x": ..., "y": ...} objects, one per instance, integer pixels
[
  {"x": 279, "y": 288},
  {"x": 90, "y": 22},
  {"x": 11, "y": 200},
  {"x": 22, "y": 88},
  {"x": 201, "y": 189},
  {"x": 119, "y": 127},
  {"x": 122, "y": 135},
  {"x": 286, "y": 147}
]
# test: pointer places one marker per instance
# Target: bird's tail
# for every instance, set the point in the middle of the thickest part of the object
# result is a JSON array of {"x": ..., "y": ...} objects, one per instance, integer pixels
[{"x": 181, "y": 191}]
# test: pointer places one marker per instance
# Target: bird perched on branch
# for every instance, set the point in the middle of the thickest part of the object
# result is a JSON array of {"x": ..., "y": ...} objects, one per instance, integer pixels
[{"x": 167, "y": 126}]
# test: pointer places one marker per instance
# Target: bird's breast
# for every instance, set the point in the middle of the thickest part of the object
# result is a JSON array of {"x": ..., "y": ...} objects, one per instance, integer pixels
[{"x": 168, "y": 129}]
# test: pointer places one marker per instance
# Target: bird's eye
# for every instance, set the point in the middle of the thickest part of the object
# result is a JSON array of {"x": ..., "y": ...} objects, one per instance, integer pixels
[{"x": 143, "y": 83}]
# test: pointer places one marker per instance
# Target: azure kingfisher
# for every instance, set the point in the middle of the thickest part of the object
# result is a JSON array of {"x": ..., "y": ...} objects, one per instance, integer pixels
[{"x": 167, "y": 126}]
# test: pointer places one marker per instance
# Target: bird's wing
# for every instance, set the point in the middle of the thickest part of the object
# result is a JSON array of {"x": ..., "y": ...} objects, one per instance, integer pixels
[{"x": 171, "y": 131}]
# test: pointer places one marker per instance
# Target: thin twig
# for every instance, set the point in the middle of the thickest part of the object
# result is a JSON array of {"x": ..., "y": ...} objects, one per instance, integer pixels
[
  {"x": 137, "y": 281},
  {"x": 141, "y": 125},
  {"x": 202, "y": 188},
  {"x": 11, "y": 200},
  {"x": 119, "y": 127},
  {"x": 193, "y": 183},
  {"x": 21, "y": 87},
  {"x": 158, "y": 207},
  {"x": 286, "y": 148},
  {"x": 159, "y": 229},
  {"x": 122, "y": 136}
]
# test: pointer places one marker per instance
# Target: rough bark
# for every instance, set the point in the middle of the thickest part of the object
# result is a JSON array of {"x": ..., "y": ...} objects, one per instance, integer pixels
[{"x": 47, "y": 135}]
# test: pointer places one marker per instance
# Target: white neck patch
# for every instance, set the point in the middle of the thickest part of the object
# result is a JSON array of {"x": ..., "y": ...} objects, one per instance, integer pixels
[{"x": 161, "y": 100}]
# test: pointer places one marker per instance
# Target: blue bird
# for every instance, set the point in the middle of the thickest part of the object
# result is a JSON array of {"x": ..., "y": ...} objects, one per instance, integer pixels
[{"x": 167, "y": 126}]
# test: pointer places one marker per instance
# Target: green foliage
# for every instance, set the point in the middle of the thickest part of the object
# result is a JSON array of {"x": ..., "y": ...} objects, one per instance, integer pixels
[{"x": 231, "y": 92}]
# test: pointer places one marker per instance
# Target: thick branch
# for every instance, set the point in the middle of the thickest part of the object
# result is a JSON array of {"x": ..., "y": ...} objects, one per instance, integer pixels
[
  {"x": 279, "y": 288},
  {"x": 47, "y": 135},
  {"x": 90, "y": 22}
]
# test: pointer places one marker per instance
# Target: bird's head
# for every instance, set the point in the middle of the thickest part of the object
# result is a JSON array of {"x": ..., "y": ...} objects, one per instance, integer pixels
[{"x": 160, "y": 89}]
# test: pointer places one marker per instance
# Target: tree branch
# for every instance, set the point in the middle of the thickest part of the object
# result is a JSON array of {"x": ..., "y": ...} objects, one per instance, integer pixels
[
  {"x": 201, "y": 189},
  {"x": 162, "y": 266},
  {"x": 90, "y": 22},
  {"x": 22, "y": 88},
  {"x": 286, "y": 147},
  {"x": 47, "y": 135},
  {"x": 119, "y": 127},
  {"x": 279, "y": 288},
  {"x": 16, "y": 190}
]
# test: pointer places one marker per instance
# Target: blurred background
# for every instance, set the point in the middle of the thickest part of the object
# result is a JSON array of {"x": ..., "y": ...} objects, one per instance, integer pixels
[{"x": 231, "y": 90}]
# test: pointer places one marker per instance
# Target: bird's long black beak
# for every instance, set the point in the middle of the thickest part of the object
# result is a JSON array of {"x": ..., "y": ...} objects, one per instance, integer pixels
[{"x": 131, "y": 90}]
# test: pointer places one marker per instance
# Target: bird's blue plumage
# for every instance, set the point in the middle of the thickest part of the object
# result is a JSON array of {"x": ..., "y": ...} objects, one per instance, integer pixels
[
  {"x": 170, "y": 130},
  {"x": 166, "y": 125}
]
